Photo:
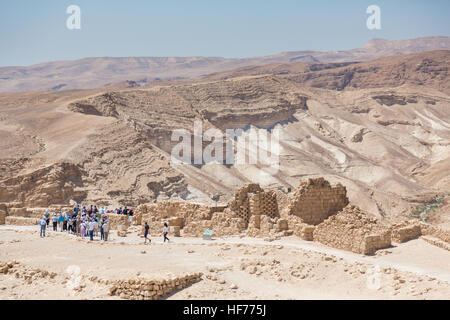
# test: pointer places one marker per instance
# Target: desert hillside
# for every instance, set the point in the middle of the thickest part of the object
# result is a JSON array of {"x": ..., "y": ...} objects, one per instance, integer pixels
[
  {"x": 381, "y": 128},
  {"x": 106, "y": 71}
]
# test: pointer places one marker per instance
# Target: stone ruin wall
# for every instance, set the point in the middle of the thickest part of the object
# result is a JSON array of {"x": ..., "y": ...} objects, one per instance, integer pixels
[
  {"x": 352, "y": 230},
  {"x": 137, "y": 289},
  {"x": 315, "y": 200},
  {"x": 248, "y": 201},
  {"x": 429, "y": 230},
  {"x": 315, "y": 211},
  {"x": 403, "y": 232}
]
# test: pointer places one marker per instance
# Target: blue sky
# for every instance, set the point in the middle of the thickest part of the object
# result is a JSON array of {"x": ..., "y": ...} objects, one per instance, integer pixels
[{"x": 33, "y": 31}]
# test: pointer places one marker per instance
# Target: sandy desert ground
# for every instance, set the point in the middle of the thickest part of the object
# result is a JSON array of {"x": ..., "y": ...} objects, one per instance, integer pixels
[{"x": 232, "y": 267}]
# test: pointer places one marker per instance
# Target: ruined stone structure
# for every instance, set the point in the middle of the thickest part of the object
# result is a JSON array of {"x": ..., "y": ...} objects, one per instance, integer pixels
[
  {"x": 250, "y": 200},
  {"x": 136, "y": 289},
  {"x": 429, "y": 230},
  {"x": 354, "y": 231},
  {"x": 315, "y": 200},
  {"x": 315, "y": 211},
  {"x": 403, "y": 232}
]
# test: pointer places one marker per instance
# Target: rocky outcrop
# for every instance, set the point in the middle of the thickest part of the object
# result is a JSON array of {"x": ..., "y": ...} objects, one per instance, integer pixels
[{"x": 57, "y": 183}]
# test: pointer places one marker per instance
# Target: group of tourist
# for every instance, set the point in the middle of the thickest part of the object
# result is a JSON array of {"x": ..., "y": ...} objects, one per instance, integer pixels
[
  {"x": 89, "y": 222},
  {"x": 82, "y": 222}
]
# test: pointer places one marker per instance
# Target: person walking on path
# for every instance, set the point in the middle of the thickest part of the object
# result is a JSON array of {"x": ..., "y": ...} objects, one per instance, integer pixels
[
  {"x": 165, "y": 232},
  {"x": 146, "y": 227},
  {"x": 43, "y": 224}
]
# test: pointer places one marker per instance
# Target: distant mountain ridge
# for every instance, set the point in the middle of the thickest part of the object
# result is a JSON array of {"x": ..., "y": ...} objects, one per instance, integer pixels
[{"x": 96, "y": 72}]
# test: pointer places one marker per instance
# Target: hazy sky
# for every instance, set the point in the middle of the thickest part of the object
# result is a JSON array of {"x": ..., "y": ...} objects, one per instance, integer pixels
[{"x": 33, "y": 31}]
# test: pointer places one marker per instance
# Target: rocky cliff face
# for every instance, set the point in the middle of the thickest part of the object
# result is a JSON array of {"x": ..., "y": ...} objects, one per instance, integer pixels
[{"x": 58, "y": 183}]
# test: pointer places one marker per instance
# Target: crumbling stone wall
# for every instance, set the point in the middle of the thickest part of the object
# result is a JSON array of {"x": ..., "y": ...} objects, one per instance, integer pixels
[
  {"x": 193, "y": 219},
  {"x": 429, "y": 230},
  {"x": 263, "y": 203},
  {"x": 183, "y": 214},
  {"x": 136, "y": 289},
  {"x": 354, "y": 231},
  {"x": 240, "y": 203},
  {"x": 263, "y": 226},
  {"x": 402, "y": 232},
  {"x": 251, "y": 199},
  {"x": 437, "y": 242},
  {"x": 21, "y": 221},
  {"x": 315, "y": 200},
  {"x": 117, "y": 220},
  {"x": 300, "y": 229}
]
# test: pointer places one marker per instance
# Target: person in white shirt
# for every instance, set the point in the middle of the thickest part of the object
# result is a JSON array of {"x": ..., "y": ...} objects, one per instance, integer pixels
[
  {"x": 43, "y": 224},
  {"x": 165, "y": 232},
  {"x": 91, "y": 228}
]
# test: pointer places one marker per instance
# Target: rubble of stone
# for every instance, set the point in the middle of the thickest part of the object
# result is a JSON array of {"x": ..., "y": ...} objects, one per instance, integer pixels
[
  {"x": 139, "y": 289},
  {"x": 354, "y": 231}
]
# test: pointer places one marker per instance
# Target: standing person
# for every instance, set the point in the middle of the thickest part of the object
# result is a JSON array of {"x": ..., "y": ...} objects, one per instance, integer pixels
[
  {"x": 76, "y": 226},
  {"x": 130, "y": 216},
  {"x": 61, "y": 222},
  {"x": 105, "y": 229},
  {"x": 165, "y": 232},
  {"x": 43, "y": 224},
  {"x": 55, "y": 222},
  {"x": 70, "y": 224},
  {"x": 91, "y": 227},
  {"x": 47, "y": 217},
  {"x": 95, "y": 227},
  {"x": 102, "y": 234},
  {"x": 83, "y": 229},
  {"x": 147, "y": 227},
  {"x": 65, "y": 221}
]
